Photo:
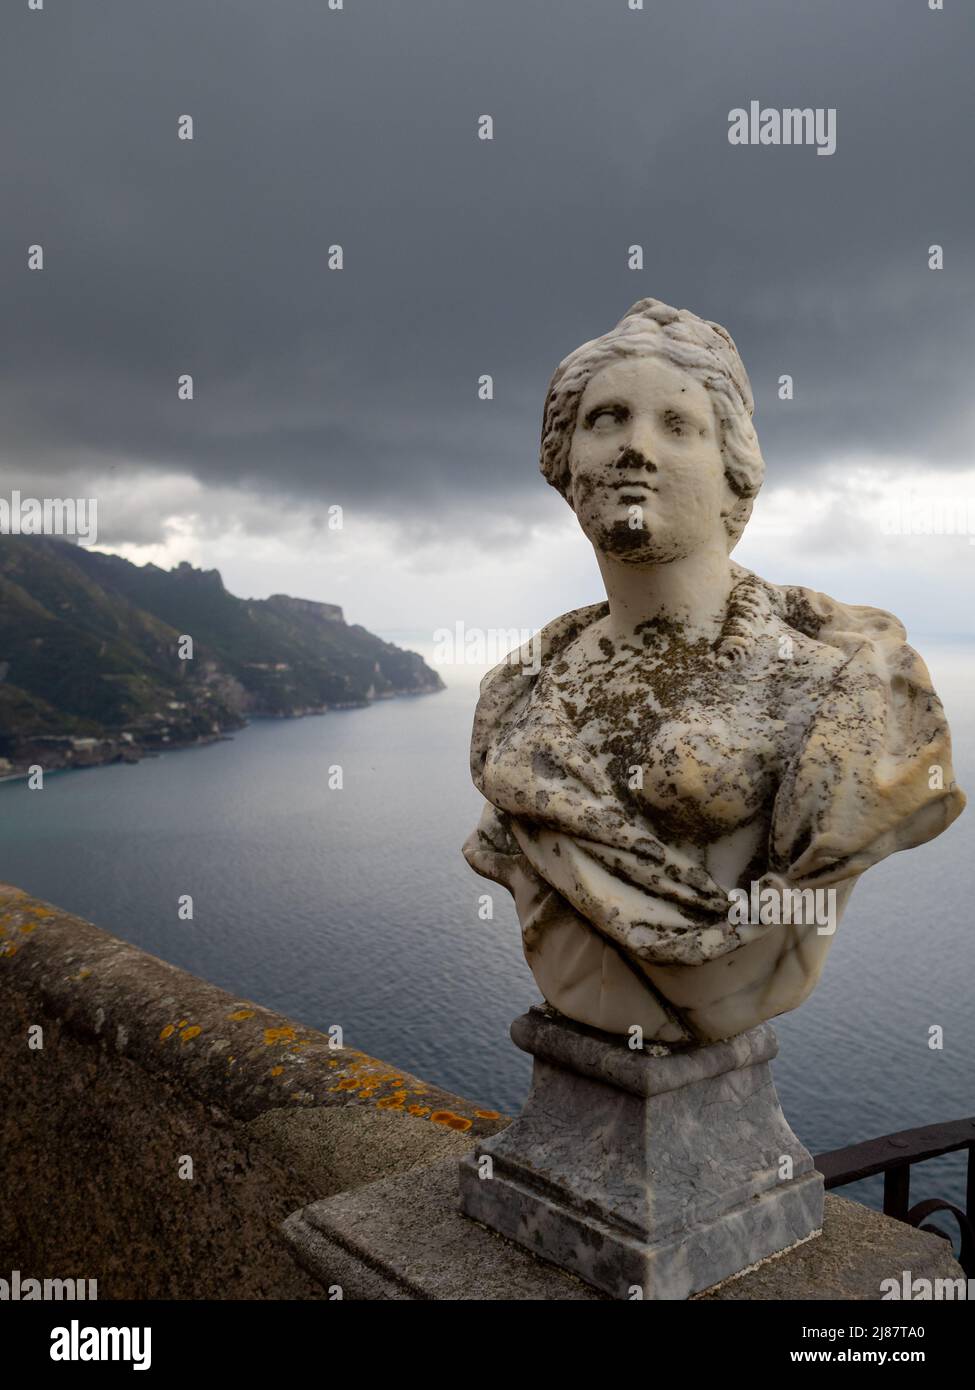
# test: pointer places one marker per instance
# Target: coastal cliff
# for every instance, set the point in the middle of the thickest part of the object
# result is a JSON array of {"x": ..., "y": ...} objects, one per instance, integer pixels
[{"x": 91, "y": 669}]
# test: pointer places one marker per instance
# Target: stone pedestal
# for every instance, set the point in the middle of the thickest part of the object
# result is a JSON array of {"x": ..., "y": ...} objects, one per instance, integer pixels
[
  {"x": 404, "y": 1238},
  {"x": 654, "y": 1173},
  {"x": 630, "y": 1175}
]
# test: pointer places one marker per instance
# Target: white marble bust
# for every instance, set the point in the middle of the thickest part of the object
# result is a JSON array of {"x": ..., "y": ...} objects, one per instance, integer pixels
[{"x": 703, "y": 734}]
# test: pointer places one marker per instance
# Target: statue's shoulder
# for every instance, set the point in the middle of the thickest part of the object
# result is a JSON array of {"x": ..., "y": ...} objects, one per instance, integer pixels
[
  {"x": 524, "y": 664},
  {"x": 825, "y": 619},
  {"x": 506, "y": 689},
  {"x": 557, "y": 634}
]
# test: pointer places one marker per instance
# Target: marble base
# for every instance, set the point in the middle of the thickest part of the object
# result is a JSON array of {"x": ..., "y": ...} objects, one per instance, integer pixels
[{"x": 654, "y": 1173}]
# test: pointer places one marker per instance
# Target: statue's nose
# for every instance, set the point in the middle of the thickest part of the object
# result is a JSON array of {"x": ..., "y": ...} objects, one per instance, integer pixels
[{"x": 634, "y": 457}]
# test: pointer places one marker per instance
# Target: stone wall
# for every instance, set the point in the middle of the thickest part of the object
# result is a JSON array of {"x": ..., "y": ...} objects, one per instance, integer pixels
[{"x": 142, "y": 1069}]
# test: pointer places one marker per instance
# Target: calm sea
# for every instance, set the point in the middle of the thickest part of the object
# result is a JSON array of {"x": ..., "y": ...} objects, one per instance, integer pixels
[{"x": 354, "y": 906}]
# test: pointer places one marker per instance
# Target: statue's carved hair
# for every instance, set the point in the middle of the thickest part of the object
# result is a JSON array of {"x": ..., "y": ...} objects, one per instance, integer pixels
[{"x": 703, "y": 349}]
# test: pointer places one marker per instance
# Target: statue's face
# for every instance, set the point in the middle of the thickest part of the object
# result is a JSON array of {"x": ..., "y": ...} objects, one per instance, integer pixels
[{"x": 647, "y": 478}]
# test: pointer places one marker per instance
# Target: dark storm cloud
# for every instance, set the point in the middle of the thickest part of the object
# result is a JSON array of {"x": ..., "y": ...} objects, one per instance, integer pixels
[{"x": 466, "y": 257}]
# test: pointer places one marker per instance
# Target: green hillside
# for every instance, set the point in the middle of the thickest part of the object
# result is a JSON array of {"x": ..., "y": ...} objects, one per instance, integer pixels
[{"x": 89, "y": 651}]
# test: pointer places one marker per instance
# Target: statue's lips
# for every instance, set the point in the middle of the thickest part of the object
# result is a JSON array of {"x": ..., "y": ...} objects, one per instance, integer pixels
[{"x": 630, "y": 493}]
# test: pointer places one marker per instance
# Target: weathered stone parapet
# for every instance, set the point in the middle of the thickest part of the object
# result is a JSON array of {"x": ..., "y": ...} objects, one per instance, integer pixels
[
  {"x": 142, "y": 1065},
  {"x": 226, "y": 1050}
]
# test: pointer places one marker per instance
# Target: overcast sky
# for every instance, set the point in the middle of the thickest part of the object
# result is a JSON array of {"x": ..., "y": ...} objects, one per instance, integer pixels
[{"x": 359, "y": 387}]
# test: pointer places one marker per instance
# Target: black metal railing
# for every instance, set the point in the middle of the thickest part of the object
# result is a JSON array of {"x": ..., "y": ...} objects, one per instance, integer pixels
[{"x": 894, "y": 1155}]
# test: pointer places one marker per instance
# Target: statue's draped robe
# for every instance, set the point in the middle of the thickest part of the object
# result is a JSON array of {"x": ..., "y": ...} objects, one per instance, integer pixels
[{"x": 614, "y": 918}]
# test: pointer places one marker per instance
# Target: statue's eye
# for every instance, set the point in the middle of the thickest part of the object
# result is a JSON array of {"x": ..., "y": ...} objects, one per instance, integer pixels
[
  {"x": 675, "y": 422},
  {"x": 604, "y": 417}
]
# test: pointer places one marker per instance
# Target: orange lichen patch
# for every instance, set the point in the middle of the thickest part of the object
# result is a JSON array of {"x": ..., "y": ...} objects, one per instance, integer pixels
[
  {"x": 488, "y": 1114},
  {"x": 277, "y": 1035},
  {"x": 167, "y": 1032},
  {"x": 9, "y": 949},
  {"x": 28, "y": 927},
  {"x": 83, "y": 974},
  {"x": 240, "y": 1015},
  {"x": 375, "y": 1070},
  {"x": 452, "y": 1121},
  {"x": 397, "y": 1101},
  {"x": 189, "y": 1033},
  {"x": 182, "y": 1023},
  {"x": 385, "y": 1087},
  {"x": 231, "y": 1061},
  {"x": 355, "y": 1060},
  {"x": 276, "y": 1071},
  {"x": 418, "y": 1109}
]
